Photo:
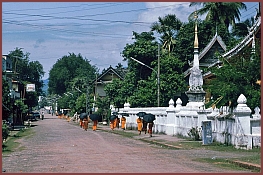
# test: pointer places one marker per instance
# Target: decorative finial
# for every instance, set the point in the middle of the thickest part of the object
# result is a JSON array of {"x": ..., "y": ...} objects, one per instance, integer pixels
[
  {"x": 196, "y": 39},
  {"x": 196, "y": 16}
]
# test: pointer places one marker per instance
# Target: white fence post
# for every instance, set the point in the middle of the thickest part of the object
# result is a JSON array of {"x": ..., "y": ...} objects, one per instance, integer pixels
[
  {"x": 170, "y": 122},
  {"x": 242, "y": 115}
]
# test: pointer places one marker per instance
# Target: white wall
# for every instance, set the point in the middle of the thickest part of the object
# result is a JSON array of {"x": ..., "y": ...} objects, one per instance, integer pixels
[{"x": 236, "y": 128}]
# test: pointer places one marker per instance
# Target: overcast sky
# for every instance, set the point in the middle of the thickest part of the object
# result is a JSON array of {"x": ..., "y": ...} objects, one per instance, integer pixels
[{"x": 98, "y": 31}]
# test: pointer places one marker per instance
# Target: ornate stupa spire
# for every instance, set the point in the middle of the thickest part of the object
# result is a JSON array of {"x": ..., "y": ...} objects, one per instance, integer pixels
[
  {"x": 196, "y": 92},
  {"x": 196, "y": 37},
  {"x": 196, "y": 60}
]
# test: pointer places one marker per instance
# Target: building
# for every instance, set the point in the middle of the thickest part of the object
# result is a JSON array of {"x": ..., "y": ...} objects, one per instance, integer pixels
[
  {"x": 107, "y": 76},
  {"x": 208, "y": 57}
]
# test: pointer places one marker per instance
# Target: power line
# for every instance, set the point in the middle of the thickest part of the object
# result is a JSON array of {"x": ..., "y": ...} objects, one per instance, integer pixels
[
  {"x": 68, "y": 31},
  {"x": 50, "y": 8},
  {"x": 48, "y": 17},
  {"x": 79, "y": 17}
]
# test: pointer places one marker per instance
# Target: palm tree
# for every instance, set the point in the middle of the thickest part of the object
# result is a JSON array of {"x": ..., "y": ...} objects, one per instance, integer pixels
[
  {"x": 168, "y": 27},
  {"x": 220, "y": 12},
  {"x": 241, "y": 29}
]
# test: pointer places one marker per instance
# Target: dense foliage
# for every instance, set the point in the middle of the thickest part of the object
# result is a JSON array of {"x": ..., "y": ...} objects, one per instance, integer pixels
[
  {"x": 6, "y": 100},
  {"x": 238, "y": 76},
  {"x": 66, "y": 69},
  {"x": 71, "y": 78},
  {"x": 139, "y": 87},
  {"x": 28, "y": 72}
]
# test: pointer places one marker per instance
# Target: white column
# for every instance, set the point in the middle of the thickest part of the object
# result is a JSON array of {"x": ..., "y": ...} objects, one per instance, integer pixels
[{"x": 242, "y": 113}]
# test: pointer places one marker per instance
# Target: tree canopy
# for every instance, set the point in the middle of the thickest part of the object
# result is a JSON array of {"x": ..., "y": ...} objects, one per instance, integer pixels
[
  {"x": 221, "y": 12},
  {"x": 69, "y": 71},
  {"x": 28, "y": 72}
]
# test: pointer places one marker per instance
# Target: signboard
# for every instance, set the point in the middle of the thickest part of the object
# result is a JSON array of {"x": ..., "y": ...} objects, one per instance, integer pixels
[{"x": 30, "y": 88}]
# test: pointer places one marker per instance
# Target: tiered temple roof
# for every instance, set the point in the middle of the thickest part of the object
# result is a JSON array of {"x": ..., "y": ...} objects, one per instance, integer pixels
[{"x": 207, "y": 57}]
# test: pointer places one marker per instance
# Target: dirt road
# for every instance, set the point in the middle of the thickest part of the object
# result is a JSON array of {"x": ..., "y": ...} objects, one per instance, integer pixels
[{"x": 60, "y": 146}]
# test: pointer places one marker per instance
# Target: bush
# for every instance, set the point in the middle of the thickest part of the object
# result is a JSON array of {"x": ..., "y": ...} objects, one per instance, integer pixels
[
  {"x": 5, "y": 131},
  {"x": 194, "y": 133}
]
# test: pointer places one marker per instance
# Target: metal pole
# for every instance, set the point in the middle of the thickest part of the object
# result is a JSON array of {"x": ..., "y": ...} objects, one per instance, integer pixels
[
  {"x": 87, "y": 98},
  {"x": 158, "y": 77}
]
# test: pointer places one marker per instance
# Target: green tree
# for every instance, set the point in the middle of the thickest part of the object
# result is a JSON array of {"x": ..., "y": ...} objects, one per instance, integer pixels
[
  {"x": 70, "y": 70},
  {"x": 240, "y": 30},
  {"x": 81, "y": 104},
  {"x": 168, "y": 27},
  {"x": 21, "y": 109},
  {"x": 5, "y": 132},
  {"x": 171, "y": 78},
  {"x": 28, "y": 72},
  {"x": 113, "y": 91},
  {"x": 238, "y": 76},
  {"x": 145, "y": 94},
  {"x": 102, "y": 103},
  {"x": 6, "y": 100},
  {"x": 221, "y": 12},
  {"x": 144, "y": 49}
]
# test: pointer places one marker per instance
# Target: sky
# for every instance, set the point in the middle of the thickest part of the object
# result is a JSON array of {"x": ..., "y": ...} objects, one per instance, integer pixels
[{"x": 98, "y": 31}]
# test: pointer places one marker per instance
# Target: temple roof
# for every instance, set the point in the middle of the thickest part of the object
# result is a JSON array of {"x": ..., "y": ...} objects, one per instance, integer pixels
[
  {"x": 210, "y": 62},
  {"x": 214, "y": 40},
  {"x": 246, "y": 41},
  {"x": 112, "y": 71},
  {"x": 216, "y": 43}
]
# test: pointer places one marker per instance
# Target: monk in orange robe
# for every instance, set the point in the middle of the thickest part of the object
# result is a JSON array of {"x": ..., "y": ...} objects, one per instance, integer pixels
[
  {"x": 95, "y": 123},
  {"x": 150, "y": 128},
  {"x": 112, "y": 124},
  {"x": 85, "y": 123},
  {"x": 81, "y": 123},
  {"x": 144, "y": 126},
  {"x": 123, "y": 122},
  {"x": 139, "y": 125},
  {"x": 115, "y": 123}
]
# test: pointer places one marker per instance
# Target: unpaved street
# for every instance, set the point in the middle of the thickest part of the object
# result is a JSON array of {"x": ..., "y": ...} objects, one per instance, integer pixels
[{"x": 60, "y": 146}]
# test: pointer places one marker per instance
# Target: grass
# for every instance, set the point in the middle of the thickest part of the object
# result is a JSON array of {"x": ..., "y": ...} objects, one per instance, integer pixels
[
  {"x": 253, "y": 156},
  {"x": 223, "y": 163},
  {"x": 11, "y": 144}
]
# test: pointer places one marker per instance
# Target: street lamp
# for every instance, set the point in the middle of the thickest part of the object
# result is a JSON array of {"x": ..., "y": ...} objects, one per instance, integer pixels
[{"x": 158, "y": 77}]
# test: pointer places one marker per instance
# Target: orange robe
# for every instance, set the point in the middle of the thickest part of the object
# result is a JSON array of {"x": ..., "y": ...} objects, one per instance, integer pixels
[
  {"x": 85, "y": 121},
  {"x": 150, "y": 128},
  {"x": 139, "y": 124},
  {"x": 123, "y": 122},
  {"x": 115, "y": 123},
  {"x": 112, "y": 124},
  {"x": 94, "y": 127},
  {"x": 144, "y": 126},
  {"x": 81, "y": 123}
]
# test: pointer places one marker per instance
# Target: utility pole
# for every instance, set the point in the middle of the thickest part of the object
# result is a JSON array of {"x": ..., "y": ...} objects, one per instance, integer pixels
[
  {"x": 87, "y": 99},
  {"x": 158, "y": 77}
]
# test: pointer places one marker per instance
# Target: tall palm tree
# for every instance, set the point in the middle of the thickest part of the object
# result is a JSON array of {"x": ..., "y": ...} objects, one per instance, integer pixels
[
  {"x": 168, "y": 27},
  {"x": 220, "y": 12}
]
